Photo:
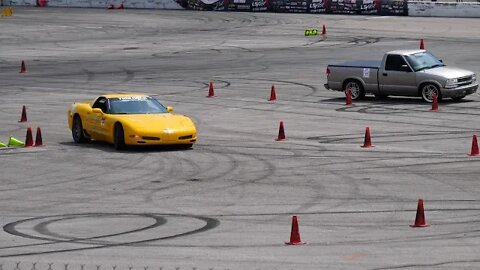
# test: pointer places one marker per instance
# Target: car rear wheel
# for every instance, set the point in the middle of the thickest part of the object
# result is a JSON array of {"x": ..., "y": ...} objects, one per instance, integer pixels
[
  {"x": 77, "y": 130},
  {"x": 118, "y": 138},
  {"x": 428, "y": 90},
  {"x": 356, "y": 89}
]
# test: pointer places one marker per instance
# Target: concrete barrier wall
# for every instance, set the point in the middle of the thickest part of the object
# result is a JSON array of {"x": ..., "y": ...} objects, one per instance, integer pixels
[{"x": 444, "y": 9}]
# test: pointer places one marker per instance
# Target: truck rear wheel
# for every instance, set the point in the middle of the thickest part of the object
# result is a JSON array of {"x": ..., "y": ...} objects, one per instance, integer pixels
[{"x": 356, "y": 89}]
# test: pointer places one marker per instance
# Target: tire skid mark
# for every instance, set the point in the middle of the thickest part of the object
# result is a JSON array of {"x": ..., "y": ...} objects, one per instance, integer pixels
[{"x": 210, "y": 223}]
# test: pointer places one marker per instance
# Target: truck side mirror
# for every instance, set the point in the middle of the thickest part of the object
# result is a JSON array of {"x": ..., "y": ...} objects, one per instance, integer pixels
[{"x": 405, "y": 68}]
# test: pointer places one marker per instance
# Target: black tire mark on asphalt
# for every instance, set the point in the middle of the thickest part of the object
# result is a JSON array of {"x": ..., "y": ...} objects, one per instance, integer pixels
[{"x": 211, "y": 223}]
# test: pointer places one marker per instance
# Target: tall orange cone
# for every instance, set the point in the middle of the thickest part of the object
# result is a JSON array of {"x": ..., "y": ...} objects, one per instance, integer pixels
[
  {"x": 281, "y": 133},
  {"x": 210, "y": 90},
  {"x": 420, "y": 217},
  {"x": 38, "y": 138},
  {"x": 422, "y": 45},
  {"x": 324, "y": 30},
  {"x": 434, "y": 102},
  {"x": 295, "y": 234},
  {"x": 23, "y": 118},
  {"x": 273, "y": 95},
  {"x": 348, "y": 97},
  {"x": 367, "y": 142},
  {"x": 474, "y": 150},
  {"x": 23, "y": 68},
  {"x": 29, "y": 138}
]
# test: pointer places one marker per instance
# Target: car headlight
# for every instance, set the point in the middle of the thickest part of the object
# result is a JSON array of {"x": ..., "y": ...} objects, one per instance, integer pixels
[{"x": 451, "y": 83}]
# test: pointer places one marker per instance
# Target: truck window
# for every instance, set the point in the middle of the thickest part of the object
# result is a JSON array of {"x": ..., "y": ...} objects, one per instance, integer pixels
[{"x": 395, "y": 62}]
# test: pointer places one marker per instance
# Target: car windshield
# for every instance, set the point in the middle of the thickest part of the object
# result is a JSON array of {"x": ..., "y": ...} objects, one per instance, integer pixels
[
  {"x": 135, "y": 105},
  {"x": 423, "y": 60}
]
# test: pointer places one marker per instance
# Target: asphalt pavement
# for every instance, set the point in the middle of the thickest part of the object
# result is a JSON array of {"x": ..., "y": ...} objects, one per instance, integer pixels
[{"x": 228, "y": 202}]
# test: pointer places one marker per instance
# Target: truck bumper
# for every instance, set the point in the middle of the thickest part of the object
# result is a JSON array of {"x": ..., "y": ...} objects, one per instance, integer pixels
[{"x": 459, "y": 91}]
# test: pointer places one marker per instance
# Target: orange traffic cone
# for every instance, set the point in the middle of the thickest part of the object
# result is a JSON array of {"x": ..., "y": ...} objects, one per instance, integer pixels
[
  {"x": 23, "y": 118},
  {"x": 273, "y": 95},
  {"x": 38, "y": 138},
  {"x": 324, "y": 30},
  {"x": 367, "y": 142},
  {"x": 295, "y": 233},
  {"x": 422, "y": 46},
  {"x": 434, "y": 102},
  {"x": 23, "y": 68},
  {"x": 281, "y": 133},
  {"x": 210, "y": 90},
  {"x": 420, "y": 217},
  {"x": 29, "y": 138},
  {"x": 474, "y": 150},
  {"x": 348, "y": 97}
]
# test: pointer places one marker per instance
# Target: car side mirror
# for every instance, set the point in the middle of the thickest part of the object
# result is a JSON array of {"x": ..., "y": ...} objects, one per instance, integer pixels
[
  {"x": 169, "y": 108},
  {"x": 97, "y": 110}
]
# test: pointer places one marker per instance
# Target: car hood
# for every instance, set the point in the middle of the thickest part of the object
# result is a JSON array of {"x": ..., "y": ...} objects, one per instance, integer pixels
[
  {"x": 448, "y": 72},
  {"x": 156, "y": 121}
]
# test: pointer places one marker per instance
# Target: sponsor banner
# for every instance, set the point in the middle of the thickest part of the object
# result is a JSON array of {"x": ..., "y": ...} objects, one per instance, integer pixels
[
  {"x": 296, "y": 6},
  {"x": 381, "y": 7},
  {"x": 394, "y": 7},
  {"x": 204, "y": 4}
]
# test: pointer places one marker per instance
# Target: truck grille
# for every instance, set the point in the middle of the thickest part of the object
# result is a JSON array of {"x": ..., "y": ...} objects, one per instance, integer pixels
[{"x": 464, "y": 81}]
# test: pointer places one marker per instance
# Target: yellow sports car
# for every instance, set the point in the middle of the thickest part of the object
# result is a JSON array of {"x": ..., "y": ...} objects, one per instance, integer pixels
[{"x": 129, "y": 119}]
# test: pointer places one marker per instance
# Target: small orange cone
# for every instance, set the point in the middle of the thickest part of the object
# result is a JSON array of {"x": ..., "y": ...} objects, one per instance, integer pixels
[
  {"x": 210, "y": 90},
  {"x": 420, "y": 217},
  {"x": 324, "y": 30},
  {"x": 295, "y": 233},
  {"x": 273, "y": 95},
  {"x": 281, "y": 133},
  {"x": 367, "y": 142},
  {"x": 422, "y": 46},
  {"x": 23, "y": 118},
  {"x": 348, "y": 97},
  {"x": 23, "y": 68},
  {"x": 434, "y": 102},
  {"x": 38, "y": 138},
  {"x": 474, "y": 150},
  {"x": 29, "y": 138}
]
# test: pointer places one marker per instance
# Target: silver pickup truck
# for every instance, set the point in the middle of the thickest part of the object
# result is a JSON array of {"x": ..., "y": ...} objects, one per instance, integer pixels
[{"x": 402, "y": 73}]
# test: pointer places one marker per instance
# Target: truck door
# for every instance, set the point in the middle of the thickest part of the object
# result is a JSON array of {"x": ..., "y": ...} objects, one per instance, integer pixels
[{"x": 397, "y": 78}]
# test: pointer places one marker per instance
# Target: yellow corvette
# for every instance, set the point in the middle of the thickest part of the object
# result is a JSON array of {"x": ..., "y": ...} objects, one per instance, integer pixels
[{"x": 129, "y": 119}]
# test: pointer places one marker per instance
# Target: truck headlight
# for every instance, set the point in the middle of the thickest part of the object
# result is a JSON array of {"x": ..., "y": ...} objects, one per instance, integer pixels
[{"x": 451, "y": 83}]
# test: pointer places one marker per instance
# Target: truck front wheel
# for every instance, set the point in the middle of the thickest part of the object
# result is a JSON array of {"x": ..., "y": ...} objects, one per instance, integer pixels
[
  {"x": 428, "y": 90},
  {"x": 356, "y": 89}
]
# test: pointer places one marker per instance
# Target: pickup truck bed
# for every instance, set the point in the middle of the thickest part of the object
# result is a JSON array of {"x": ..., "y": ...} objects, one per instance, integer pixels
[{"x": 360, "y": 64}]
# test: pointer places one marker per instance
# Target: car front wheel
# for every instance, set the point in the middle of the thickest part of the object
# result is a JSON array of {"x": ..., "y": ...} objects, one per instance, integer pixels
[{"x": 119, "y": 139}]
